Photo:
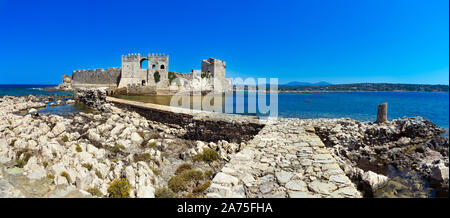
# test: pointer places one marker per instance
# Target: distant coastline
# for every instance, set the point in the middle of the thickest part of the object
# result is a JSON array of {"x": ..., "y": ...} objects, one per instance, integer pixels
[
  {"x": 325, "y": 91},
  {"x": 355, "y": 87}
]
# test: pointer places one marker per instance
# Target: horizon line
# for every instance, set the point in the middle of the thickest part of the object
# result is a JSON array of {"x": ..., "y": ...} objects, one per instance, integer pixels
[{"x": 312, "y": 83}]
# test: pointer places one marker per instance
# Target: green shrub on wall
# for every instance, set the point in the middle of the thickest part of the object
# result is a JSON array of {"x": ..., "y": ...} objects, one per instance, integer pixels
[
  {"x": 156, "y": 76},
  {"x": 172, "y": 77}
]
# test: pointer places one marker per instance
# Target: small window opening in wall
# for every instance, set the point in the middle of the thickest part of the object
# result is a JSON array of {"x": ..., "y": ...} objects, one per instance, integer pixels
[
  {"x": 153, "y": 67},
  {"x": 162, "y": 66},
  {"x": 143, "y": 82}
]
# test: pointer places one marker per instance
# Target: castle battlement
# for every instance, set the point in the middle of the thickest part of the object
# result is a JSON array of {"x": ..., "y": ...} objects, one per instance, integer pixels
[
  {"x": 133, "y": 74},
  {"x": 96, "y": 70}
]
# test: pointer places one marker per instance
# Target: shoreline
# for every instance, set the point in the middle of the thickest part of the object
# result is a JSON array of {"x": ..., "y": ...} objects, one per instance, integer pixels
[
  {"x": 335, "y": 91},
  {"x": 317, "y": 130}
]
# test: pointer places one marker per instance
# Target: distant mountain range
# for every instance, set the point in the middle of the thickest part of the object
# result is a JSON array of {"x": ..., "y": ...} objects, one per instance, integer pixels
[
  {"x": 327, "y": 87},
  {"x": 296, "y": 83},
  {"x": 367, "y": 87}
]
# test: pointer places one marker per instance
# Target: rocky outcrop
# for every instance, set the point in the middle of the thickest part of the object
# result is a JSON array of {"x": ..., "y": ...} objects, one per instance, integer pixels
[
  {"x": 405, "y": 143},
  {"x": 372, "y": 181},
  {"x": 95, "y": 98},
  {"x": 79, "y": 151},
  {"x": 286, "y": 158}
]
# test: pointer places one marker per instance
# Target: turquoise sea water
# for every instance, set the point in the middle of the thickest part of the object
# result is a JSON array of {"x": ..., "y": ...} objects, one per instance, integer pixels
[
  {"x": 21, "y": 90},
  {"x": 356, "y": 105},
  {"x": 363, "y": 105}
]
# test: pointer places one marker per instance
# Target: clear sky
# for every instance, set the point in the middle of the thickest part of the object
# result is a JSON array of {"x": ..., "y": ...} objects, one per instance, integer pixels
[{"x": 337, "y": 41}]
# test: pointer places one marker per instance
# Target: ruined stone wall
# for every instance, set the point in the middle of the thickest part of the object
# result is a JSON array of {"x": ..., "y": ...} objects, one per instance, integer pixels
[
  {"x": 134, "y": 74},
  {"x": 159, "y": 64},
  {"x": 187, "y": 76},
  {"x": 204, "y": 129},
  {"x": 96, "y": 78},
  {"x": 140, "y": 90},
  {"x": 131, "y": 73},
  {"x": 216, "y": 68}
]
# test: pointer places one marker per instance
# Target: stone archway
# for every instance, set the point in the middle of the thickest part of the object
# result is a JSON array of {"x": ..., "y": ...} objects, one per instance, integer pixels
[{"x": 143, "y": 63}]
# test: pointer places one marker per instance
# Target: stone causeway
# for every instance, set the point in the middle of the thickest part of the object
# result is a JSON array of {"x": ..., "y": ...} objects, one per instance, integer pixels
[{"x": 285, "y": 160}]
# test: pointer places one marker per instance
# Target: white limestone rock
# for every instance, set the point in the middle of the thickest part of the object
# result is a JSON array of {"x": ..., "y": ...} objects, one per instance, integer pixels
[
  {"x": 225, "y": 179},
  {"x": 93, "y": 135},
  {"x": 296, "y": 185},
  {"x": 33, "y": 170},
  {"x": 283, "y": 176},
  {"x": 145, "y": 192},
  {"x": 321, "y": 187},
  {"x": 59, "y": 128},
  {"x": 439, "y": 172},
  {"x": 136, "y": 138},
  {"x": 32, "y": 111},
  {"x": 375, "y": 181}
]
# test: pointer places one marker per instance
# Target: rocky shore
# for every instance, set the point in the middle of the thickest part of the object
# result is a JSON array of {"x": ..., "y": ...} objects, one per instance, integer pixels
[
  {"x": 116, "y": 152},
  {"x": 407, "y": 144},
  {"x": 89, "y": 151}
]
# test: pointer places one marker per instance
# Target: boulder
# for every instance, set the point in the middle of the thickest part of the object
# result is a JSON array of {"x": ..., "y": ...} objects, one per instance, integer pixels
[
  {"x": 130, "y": 175},
  {"x": 34, "y": 170},
  {"x": 58, "y": 129},
  {"x": 32, "y": 111},
  {"x": 373, "y": 181},
  {"x": 60, "y": 180},
  {"x": 145, "y": 192},
  {"x": 225, "y": 179},
  {"x": 439, "y": 173},
  {"x": 93, "y": 135},
  {"x": 84, "y": 182},
  {"x": 136, "y": 138}
]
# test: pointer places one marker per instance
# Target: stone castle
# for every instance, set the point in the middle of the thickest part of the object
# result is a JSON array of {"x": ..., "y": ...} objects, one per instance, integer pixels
[{"x": 135, "y": 78}]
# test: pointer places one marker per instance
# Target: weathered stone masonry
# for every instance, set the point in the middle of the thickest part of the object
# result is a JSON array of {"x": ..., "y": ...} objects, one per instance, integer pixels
[
  {"x": 96, "y": 77},
  {"x": 199, "y": 127},
  {"x": 136, "y": 78}
]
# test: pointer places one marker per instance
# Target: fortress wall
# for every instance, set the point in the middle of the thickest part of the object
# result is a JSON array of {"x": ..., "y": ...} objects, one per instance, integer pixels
[
  {"x": 203, "y": 125},
  {"x": 187, "y": 76},
  {"x": 96, "y": 78}
]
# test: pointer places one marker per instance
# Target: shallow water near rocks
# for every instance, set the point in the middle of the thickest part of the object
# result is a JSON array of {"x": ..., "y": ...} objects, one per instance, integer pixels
[
  {"x": 405, "y": 183},
  {"x": 64, "y": 110},
  {"x": 16, "y": 185},
  {"x": 61, "y": 110}
]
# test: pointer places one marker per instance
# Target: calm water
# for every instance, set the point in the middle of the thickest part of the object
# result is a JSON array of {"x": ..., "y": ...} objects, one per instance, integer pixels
[
  {"x": 356, "y": 105},
  {"x": 24, "y": 90}
]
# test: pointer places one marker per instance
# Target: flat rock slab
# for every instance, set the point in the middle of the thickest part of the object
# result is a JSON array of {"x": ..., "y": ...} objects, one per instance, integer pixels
[
  {"x": 296, "y": 185},
  {"x": 283, "y": 176},
  {"x": 284, "y": 160}
]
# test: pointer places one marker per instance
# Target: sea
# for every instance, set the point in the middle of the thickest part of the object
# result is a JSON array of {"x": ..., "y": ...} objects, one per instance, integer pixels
[{"x": 361, "y": 106}]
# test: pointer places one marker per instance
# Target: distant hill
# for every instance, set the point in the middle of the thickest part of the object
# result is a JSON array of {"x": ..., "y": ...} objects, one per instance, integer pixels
[
  {"x": 367, "y": 87},
  {"x": 295, "y": 83}
]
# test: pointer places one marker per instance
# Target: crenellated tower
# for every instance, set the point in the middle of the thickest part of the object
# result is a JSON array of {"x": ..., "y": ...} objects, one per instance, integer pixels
[{"x": 133, "y": 72}]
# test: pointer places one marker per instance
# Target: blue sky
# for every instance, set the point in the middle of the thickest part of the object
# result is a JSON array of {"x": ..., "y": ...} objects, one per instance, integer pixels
[{"x": 317, "y": 40}]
